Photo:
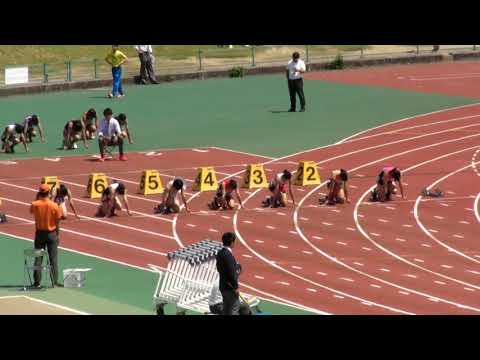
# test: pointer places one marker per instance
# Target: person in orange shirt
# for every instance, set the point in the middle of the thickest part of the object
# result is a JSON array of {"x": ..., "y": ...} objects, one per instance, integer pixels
[{"x": 47, "y": 220}]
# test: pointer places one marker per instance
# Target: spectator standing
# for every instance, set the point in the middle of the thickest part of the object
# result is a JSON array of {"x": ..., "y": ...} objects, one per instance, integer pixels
[
  {"x": 228, "y": 269},
  {"x": 116, "y": 59},
  {"x": 47, "y": 220},
  {"x": 145, "y": 54},
  {"x": 295, "y": 70}
]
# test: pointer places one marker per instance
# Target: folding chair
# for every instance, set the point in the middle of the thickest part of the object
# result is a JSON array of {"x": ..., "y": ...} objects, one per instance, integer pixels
[{"x": 30, "y": 255}]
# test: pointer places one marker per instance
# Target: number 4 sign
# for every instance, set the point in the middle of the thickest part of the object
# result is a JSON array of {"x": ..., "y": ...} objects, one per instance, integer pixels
[
  {"x": 206, "y": 180},
  {"x": 150, "y": 183},
  {"x": 307, "y": 174}
]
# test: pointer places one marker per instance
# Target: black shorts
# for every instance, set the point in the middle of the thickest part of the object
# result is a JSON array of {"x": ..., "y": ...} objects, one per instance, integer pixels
[{"x": 228, "y": 196}]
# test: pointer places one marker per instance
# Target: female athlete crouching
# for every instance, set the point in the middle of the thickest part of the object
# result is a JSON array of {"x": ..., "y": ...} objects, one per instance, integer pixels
[
  {"x": 224, "y": 196},
  {"x": 278, "y": 187},
  {"x": 110, "y": 201},
  {"x": 385, "y": 184},
  {"x": 337, "y": 188},
  {"x": 170, "y": 203},
  {"x": 74, "y": 131}
]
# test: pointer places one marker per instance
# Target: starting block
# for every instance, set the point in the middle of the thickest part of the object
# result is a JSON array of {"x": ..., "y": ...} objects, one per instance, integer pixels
[
  {"x": 97, "y": 183},
  {"x": 307, "y": 174},
  {"x": 255, "y": 177},
  {"x": 206, "y": 180},
  {"x": 51, "y": 181},
  {"x": 150, "y": 183}
]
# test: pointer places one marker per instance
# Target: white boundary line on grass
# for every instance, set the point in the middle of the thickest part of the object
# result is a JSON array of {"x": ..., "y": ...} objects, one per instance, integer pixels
[{"x": 72, "y": 310}]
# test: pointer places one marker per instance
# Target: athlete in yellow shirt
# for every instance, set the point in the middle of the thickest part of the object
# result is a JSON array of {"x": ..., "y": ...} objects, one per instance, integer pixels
[{"x": 116, "y": 59}]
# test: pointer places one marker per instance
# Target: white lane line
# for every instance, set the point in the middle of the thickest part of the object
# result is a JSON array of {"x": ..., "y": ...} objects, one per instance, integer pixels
[
  {"x": 339, "y": 296},
  {"x": 304, "y": 219},
  {"x": 247, "y": 222},
  {"x": 293, "y": 232},
  {"x": 259, "y": 241},
  {"x": 384, "y": 221},
  {"x": 439, "y": 217},
  {"x": 427, "y": 245},
  {"x": 404, "y": 293},
  {"x": 92, "y": 236},
  {"x": 191, "y": 225},
  {"x": 447, "y": 266},
  {"x": 270, "y": 227},
  {"x": 351, "y": 229},
  {"x": 356, "y": 215},
  {"x": 347, "y": 279},
  {"x": 327, "y": 224},
  {"x": 420, "y": 224},
  {"x": 283, "y": 283},
  {"x": 390, "y": 208},
  {"x": 385, "y": 270},
  {"x": 464, "y": 222},
  {"x": 361, "y": 216},
  {"x": 317, "y": 237},
  {"x": 375, "y": 286},
  {"x": 322, "y": 273},
  {"x": 226, "y": 217},
  {"x": 375, "y": 234},
  {"x": 444, "y": 204},
  {"x": 311, "y": 290},
  {"x": 400, "y": 239},
  {"x": 433, "y": 231},
  {"x": 259, "y": 277},
  {"x": 366, "y": 303},
  {"x": 297, "y": 267},
  {"x": 353, "y": 186},
  {"x": 213, "y": 230},
  {"x": 458, "y": 236},
  {"x": 281, "y": 214},
  {"x": 469, "y": 209},
  {"x": 419, "y": 260},
  {"x": 410, "y": 276},
  {"x": 341, "y": 243},
  {"x": 468, "y": 289},
  {"x": 407, "y": 225},
  {"x": 247, "y": 256},
  {"x": 335, "y": 211},
  {"x": 366, "y": 248},
  {"x": 473, "y": 272},
  {"x": 439, "y": 282},
  {"x": 307, "y": 252},
  {"x": 357, "y": 263},
  {"x": 432, "y": 299},
  {"x": 283, "y": 247}
]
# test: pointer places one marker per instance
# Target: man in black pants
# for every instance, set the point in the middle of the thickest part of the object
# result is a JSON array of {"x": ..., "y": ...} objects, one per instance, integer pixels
[
  {"x": 109, "y": 134},
  {"x": 295, "y": 68},
  {"x": 228, "y": 270},
  {"x": 145, "y": 54},
  {"x": 47, "y": 219}
]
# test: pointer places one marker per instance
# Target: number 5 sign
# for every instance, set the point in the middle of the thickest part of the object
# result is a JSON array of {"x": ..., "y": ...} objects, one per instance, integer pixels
[
  {"x": 307, "y": 174},
  {"x": 150, "y": 183},
  {"x": 97, "y": 183}
]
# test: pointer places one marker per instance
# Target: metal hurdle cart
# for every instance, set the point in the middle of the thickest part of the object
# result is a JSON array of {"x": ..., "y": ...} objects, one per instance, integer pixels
[{"x": 189, "y": 279}]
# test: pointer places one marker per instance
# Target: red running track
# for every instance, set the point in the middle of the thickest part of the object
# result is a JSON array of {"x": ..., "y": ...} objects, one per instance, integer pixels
[{"x": 351, "y": 259}]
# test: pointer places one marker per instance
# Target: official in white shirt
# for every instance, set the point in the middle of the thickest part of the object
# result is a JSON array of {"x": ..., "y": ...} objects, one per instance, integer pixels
[
  {"x": 109, "y": 135},
  {"x": 295, "y": 70},
  {"x": 145, "y": 54}
]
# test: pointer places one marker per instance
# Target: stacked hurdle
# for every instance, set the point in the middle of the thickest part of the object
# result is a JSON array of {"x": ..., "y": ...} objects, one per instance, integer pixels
[{"x": 189, "y": 278}]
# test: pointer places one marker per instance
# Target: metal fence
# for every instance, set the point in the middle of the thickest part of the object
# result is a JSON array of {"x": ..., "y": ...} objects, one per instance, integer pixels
[{"x": 220, "y": 59}]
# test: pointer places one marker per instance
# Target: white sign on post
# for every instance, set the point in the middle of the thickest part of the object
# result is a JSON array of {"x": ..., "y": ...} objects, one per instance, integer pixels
[{"x": 16, "y": 75}]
